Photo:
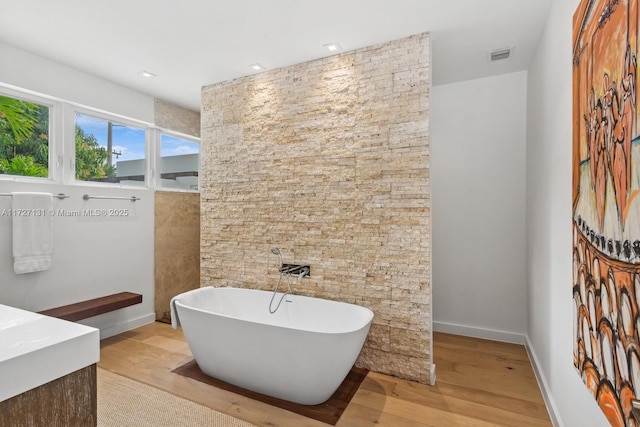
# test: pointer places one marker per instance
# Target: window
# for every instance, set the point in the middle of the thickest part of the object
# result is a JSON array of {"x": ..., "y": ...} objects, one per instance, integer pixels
[
  {"x": 108, "y": 151},
  {"x": 179, "y": 162},
  {"x": 38, "y": 133},
  {"x": 24, "y": 137}
]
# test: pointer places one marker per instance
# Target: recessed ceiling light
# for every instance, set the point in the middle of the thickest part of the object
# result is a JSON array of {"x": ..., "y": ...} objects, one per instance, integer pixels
[
  {"x": 146, "y": 74},
  {"x": 333, "y": 47},
  {"x": 257, "y": 67}
]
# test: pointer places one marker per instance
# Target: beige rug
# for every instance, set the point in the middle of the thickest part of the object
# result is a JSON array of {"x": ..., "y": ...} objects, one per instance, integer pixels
[{"x": 125, "y": 402}]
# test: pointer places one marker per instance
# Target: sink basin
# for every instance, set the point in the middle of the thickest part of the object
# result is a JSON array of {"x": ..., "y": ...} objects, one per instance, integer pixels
[{"x": 36, "y": 349}]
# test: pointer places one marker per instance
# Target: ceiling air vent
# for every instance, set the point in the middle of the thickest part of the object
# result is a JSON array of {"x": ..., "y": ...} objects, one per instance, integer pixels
[{"x": 499, "y": 54}]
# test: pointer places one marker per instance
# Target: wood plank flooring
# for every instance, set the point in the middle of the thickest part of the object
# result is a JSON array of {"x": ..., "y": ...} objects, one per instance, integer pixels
[{"x": 479, "y": 383}]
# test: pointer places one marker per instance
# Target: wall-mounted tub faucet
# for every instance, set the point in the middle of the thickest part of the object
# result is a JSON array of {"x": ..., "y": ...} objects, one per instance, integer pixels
[
  {"x": 287, "y": 270},
  {"x": 295, "y": 270},
  {"x": 292, "y": 269}
]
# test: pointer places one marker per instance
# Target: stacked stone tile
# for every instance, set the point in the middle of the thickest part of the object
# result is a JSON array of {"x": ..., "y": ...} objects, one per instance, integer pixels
[
  {"x": 176, "y": 118},
  {"x": 329, "y": 161}
]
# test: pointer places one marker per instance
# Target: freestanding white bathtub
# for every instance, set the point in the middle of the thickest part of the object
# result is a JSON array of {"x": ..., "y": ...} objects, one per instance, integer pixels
[{"x": 302, "y": 353}]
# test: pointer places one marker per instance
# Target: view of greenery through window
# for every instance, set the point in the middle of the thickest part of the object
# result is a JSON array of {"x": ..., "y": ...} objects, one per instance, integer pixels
[
  {"x": 109, "y": 152},
  {"x": 24, "y": 138}
]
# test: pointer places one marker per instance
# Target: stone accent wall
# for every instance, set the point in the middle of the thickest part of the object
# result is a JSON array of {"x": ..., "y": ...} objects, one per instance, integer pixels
[
  {"x": 329, "y": 161},
  {"x": 176, "y": 118},
  {"x": 177, "y": 247}
]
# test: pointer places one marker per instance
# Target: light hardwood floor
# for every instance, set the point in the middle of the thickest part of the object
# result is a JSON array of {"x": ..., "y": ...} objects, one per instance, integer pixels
[{"x": 479, "y": 383}]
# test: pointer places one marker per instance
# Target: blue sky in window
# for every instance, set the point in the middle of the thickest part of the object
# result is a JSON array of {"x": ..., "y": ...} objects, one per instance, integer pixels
[
  {"x": 130, "y": 141},
  {"x": 173, "y": 146},
  {"x": 127, "y": 140}
]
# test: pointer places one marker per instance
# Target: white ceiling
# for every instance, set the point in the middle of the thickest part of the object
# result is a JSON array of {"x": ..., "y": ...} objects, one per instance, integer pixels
[{"x": 193, "y": 43}]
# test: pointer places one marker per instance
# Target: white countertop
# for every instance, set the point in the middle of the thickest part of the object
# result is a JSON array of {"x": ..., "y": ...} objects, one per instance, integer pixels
[{"x": 36, "y": 349}]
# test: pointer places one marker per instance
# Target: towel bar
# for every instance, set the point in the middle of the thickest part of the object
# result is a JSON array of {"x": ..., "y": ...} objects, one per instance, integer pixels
[{"x": 132, "y": 198}]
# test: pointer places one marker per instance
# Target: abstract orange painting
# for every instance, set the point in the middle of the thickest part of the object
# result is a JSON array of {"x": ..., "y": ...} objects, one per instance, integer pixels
[{"x": 606, "y": 206}]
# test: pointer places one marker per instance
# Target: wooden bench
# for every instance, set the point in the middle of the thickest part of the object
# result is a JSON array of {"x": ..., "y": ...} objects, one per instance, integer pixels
[{"x": 93, "y": 307}]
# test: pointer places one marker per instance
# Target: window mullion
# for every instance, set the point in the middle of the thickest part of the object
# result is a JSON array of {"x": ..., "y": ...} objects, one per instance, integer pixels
[{"x": 68, "y": 166}]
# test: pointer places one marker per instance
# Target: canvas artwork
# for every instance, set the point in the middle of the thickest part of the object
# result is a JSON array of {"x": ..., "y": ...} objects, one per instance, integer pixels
[{"x": 606, "y": 204}]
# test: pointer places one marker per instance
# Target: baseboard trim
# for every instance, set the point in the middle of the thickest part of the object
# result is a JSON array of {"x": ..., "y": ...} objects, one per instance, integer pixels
[
  {"x": 109, "y": 331},
  {"x": 487, "y": 334},
  {"x": 542, "y": 384}
]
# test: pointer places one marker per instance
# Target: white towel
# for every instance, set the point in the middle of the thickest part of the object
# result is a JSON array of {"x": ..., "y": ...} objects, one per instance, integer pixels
[
  {"x": 32, "y": 231},
  {"x": 187, "y": 297},
  {"x": 175, "y": 322}
]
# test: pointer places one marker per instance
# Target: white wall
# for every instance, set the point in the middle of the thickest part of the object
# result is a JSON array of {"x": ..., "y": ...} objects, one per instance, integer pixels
[
  {"x": 478, "y": 135},
  {"x": 92, "y": 257},
  {"x": 549, "y": 257},
  {"x": 28, "y": 71}
]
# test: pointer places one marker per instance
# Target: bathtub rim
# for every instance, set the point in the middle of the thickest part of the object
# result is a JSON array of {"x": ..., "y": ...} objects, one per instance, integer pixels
[{"x": 360, "y": 326}]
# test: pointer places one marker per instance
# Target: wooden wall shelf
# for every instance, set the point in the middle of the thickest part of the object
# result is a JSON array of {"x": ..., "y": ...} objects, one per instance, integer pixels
[{"x": 93, "y": 307}]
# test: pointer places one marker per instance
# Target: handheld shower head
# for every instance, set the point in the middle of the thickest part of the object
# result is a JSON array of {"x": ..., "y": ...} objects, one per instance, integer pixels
[{"x": 276, "y": 251}]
